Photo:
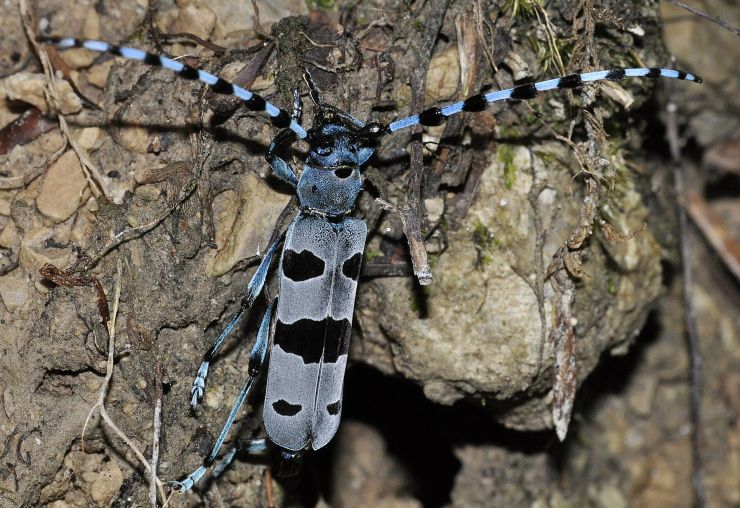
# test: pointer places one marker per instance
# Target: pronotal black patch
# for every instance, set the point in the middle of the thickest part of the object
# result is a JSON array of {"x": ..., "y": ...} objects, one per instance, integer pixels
[{"x": 343, "y": 172}]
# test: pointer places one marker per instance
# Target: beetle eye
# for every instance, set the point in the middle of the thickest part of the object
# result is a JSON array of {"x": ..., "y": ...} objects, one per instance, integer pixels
[{"x": 324, "y": 150}]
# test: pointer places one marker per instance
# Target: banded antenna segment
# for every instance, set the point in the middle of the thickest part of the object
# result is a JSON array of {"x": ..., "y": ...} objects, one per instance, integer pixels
[
  {"x": 253, "y": 101},
  {"x": 437, "y": 116}
]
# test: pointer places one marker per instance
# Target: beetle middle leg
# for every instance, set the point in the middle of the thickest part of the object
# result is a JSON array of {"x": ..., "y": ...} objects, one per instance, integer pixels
[{"x": 254, "y": 288}]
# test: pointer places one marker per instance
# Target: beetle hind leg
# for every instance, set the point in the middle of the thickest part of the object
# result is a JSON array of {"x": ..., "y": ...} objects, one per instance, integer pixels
[{"x": 256, "y": 361}]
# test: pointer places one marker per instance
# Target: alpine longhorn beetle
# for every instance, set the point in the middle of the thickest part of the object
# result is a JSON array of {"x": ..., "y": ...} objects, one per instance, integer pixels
[{"x": 321, "y": 255}]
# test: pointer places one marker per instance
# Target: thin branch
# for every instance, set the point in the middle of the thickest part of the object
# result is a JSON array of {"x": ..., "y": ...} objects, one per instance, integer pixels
[
  {"x": 267, "y": 477},
  {"x": 20, "y": 182},
  {"x": 714, "y": 19},
  {"x": 562, "y": 336},
  {"x": 564, "y": 269},
  {"x": 480, "y": 22},
  {"x": 155, "y": 434},
  {"x": 411, "y": 211},
  {"x": 257, "y": 25},
  {"x": 130, "y": 234},
  {"x": 692, "y": 334},
  {"x": 187, "y": 35}
]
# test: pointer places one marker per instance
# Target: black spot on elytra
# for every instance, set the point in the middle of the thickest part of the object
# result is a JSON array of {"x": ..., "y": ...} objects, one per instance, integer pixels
[
  {"x": 285, "y": 408},
  {"x": 351, "y": 267},
  {"x": 300, "y": 266},
  {"x": 311, "y": 339},
  {"x": 334, "y": 408}
]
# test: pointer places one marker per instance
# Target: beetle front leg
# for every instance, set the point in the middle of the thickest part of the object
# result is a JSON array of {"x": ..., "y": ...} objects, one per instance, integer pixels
[{"x": 280, "y": 167}]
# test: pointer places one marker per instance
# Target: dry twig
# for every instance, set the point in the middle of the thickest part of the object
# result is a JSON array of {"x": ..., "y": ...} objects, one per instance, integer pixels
[
  {"x": 100, "y": 404},
  {"x": 268, "y": 488},
  {"x": 564, "y": 344},
  {"x": 94, "y": 179},
  {"x": 155, "y": 434},
  {"x": 714, "y": 19},
  {"x": 129, "y": 234},
  {"x": 410, "y": 212},
  {"x": 257, "y": 25},
  {"x": 24, "y": 129},
  {"x": 692, "y": 334},
  {"x": 565, "y": 267},
  {"x": 62, "y": 278}
]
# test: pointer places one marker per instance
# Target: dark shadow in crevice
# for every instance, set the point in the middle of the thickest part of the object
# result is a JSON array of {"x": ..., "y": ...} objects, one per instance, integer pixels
[
  {"x": 724, "y": 186},
  {"x": 421, "y": 434}
]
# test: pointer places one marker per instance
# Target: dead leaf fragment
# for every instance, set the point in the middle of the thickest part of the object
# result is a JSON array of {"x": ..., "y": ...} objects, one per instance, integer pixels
[{"x": 24, "y": 129}]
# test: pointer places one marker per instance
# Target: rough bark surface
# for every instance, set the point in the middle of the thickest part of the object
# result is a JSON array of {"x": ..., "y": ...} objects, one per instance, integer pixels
[{"x": 543, "y": 266}]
